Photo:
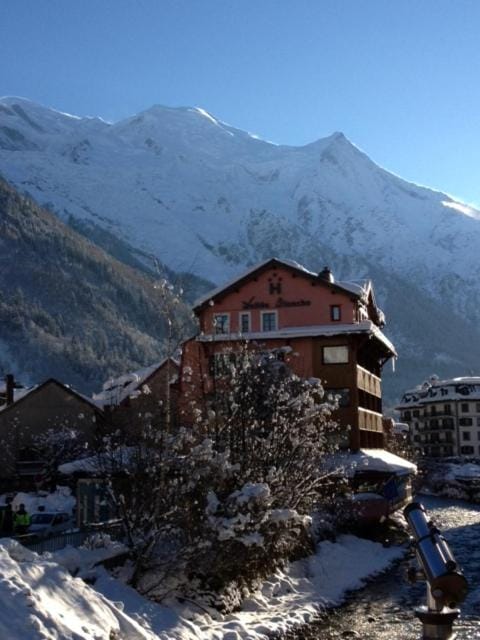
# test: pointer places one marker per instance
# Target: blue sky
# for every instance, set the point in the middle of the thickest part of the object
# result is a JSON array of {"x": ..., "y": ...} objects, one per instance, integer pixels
[{"x": 401, "y": 78}]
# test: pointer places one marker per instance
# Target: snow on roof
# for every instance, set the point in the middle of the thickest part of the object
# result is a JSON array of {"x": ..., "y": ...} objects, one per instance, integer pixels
[
  {"x": 101, "y": 462},
  {"x": 83, "y": 465},
  {"x": 435, "y": 390},
  {"x": 401, "y": 428},
  {"x": 372, "y": 460},
  {"x": 367, "y": 326},
  {"x": 116, "y": 390},
  {"x": 359, "y": 288}
]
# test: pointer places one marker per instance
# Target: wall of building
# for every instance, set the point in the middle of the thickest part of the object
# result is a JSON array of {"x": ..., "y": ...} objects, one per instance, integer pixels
[
  {"x": 150, "y": 403},
  {"x": 298, "y": 301},
  {"x": 49, "y": 407}
]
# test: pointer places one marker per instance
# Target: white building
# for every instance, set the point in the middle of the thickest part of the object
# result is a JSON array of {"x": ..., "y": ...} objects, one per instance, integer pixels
[{"x": 444, "y": 416}]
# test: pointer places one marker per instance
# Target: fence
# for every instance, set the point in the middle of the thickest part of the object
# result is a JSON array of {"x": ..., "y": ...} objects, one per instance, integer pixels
[{"x": 71, "y": 538}]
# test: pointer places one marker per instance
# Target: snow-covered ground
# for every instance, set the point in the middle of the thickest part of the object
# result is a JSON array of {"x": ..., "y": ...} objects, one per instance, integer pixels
[
  {"x": 42, "y": 600},
  {"x": 59, "y": 500}
]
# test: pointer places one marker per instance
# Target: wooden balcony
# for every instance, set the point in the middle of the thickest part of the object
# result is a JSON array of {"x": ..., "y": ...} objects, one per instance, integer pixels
[
  {"x": 369, "y": 382},
  {"x": 370, "y": 420}
]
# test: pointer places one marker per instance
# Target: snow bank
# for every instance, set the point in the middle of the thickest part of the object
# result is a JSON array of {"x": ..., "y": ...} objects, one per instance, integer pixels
[
  {"x": 59, "y": 500},
  {"x": 467, "y": 471},
  {"x": 41, "y": 600}
]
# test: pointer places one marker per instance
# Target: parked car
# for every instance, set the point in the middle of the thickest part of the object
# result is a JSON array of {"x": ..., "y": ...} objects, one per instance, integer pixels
[{"x": 47, "y": 523}]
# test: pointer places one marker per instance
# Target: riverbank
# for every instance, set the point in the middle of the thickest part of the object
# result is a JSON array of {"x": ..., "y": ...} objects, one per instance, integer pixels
[
  {"x": 453, "y": 478},
  {"x": 44, "y": 601},
  {"x": 385, "y": 608}
]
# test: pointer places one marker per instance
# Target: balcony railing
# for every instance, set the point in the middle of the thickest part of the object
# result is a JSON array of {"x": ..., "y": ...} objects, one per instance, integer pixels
[
  {"x": 370, "y": 420},
  {"x": 369, "y": 382}
]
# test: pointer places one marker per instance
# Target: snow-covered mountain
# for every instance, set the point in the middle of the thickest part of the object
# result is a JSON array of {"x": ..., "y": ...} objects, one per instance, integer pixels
[{"x": 207, "y": 198}]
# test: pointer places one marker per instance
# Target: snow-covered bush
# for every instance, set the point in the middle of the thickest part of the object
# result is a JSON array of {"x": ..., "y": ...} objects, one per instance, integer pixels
[{"x": 227, "y": 499}]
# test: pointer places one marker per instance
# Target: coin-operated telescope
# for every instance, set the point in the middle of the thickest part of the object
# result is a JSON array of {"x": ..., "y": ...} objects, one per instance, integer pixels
[{"x": 446, "y": 584}]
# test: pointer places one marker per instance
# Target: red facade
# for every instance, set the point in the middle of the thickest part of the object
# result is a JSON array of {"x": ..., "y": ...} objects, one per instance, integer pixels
[{"x": 333, "y": 330}]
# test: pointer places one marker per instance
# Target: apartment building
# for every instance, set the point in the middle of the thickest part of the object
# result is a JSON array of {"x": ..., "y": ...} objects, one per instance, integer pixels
[{"x": 444, "y": 416}]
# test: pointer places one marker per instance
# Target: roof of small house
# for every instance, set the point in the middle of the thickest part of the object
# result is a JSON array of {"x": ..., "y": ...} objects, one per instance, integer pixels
[
  {"x": 21, "y": 394},
  {"x": 361, "y": 289},
  {"x": 128, "y": 385}
]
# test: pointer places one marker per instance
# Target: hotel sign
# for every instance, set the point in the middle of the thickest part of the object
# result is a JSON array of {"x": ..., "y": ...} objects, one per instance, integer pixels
[{"x": 279, "y": 304}]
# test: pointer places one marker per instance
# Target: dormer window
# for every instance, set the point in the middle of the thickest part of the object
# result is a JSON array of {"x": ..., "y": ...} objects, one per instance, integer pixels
[
  {"x": 221, "y": 322},
  {"x": 335, "y": 312}
]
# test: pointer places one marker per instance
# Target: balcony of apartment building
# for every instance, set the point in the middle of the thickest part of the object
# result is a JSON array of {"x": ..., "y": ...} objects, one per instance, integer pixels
[
  {"x": 369, "y": 382},
  {"x": 437, "y": 438},
  {"x": 408, "y": 415},
  {"x": 438, "y": 411},
  {"x": 370, "y": 419},
  {"x": 437, "y": 424}
]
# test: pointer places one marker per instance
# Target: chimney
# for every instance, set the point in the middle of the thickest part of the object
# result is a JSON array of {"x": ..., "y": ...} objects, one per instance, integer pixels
[
  {"x": 326, "y": 275},
  {"x": 9, "y": 386}
]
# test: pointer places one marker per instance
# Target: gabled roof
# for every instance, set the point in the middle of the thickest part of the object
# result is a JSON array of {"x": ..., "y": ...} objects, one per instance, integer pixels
[
  {"x": 28, "y": 393},
  {"x": 116, "y": 390},
  {"x": 360, "y": 289}
]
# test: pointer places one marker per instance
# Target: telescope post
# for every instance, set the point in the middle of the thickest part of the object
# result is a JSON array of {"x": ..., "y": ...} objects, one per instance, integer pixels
[
  {"x": 446, "y": 584},
  {"x": 437, "y": 625}
]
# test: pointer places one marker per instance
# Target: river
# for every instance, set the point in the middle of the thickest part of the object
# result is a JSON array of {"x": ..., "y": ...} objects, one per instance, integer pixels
[{"x": 384, "y": 609}]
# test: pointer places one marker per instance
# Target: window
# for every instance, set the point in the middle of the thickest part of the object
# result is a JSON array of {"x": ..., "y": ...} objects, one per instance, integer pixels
[
  {"x": 448, "y": 409},
  {"x": 478, "y": 407},
  {"x": 269, "y": 320},
  {"x": 244, "y": 322},
  {"x": 407, "y": 416},
  {"x": 335, "y": 312},
  {"x": 335, "y": 355},
  {"x": 465, "y": 422},
  {"x": 220, "y": 364},
  {"x": 464, "y": 407},
  {"x": 466, "y": 435},
  {"x": 221, "y": 322},
  {"x": 416, "y": 413},
  {"x": 467, "y": 450},
  {"x": 478, "y": 422},
  {"x": 342, "y": 396}
]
